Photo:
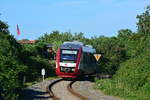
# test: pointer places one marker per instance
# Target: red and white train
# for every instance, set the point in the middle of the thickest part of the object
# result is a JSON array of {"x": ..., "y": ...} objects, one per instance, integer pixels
[{"x": 74, "y": 59}]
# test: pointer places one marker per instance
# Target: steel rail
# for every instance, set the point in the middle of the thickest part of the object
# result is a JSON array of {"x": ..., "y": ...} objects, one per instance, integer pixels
[
  {"x": 49, "y": 89},
  {"x": 70, "y": 89}
]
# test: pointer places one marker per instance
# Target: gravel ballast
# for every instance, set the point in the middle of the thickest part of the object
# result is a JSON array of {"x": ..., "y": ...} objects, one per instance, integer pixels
[{"x": 85, "y": 88}]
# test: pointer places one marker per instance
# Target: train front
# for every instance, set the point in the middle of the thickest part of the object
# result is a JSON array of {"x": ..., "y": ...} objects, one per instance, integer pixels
[{"x": 67, "y": 60}]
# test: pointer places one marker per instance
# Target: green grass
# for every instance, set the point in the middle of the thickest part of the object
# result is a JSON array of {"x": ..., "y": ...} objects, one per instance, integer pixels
[
  {"x": 30, "y": 83},
  {"x": 119, "y": 89},
  {"x": 51, "y": 78}
]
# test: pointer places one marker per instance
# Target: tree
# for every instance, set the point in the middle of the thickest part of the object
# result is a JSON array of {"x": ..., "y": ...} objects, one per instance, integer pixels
[
  {"x": 3, "y": 27},
  {"x": 10, "y": 65},
  {"x": 124, "y": 34},
  {"x": 78, "y": 36},
  {"x": 112, "y": 53},
  {"x": 144, "y": 22}
]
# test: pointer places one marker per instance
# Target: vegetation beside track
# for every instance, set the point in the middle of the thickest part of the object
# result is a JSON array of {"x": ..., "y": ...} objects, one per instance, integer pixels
[
  {"x": 132, "y": 80},
  {"x": 11, "y": 67}
]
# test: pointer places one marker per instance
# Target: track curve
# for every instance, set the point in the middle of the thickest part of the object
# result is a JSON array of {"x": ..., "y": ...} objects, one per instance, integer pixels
[
  {"x": 49, "y": 89},
  {"x": 70, "y": 89}
]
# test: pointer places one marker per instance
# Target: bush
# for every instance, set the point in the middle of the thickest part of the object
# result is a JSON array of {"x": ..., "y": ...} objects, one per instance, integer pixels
[
  {"x": 35, "y": 60},
  {"x": 10, "y": 65},
  {"x": 132, "y": 80}
]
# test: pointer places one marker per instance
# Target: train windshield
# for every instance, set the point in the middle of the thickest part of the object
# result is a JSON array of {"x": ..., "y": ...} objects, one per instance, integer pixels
[{"x": 69, "y": 55}]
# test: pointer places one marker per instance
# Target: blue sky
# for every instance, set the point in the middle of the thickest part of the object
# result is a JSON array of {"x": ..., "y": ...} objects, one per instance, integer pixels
[{"x": 92, "y": 17}]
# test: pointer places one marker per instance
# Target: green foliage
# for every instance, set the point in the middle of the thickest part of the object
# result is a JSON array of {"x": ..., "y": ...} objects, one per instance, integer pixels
[
  {"x": 112, "y": 53},
  {"x": 3, "y": 27},
  {"x": 132, "y": 80},
  {"x": 144, "y": 22},
  {"x": 135, "y": 72},
  {"x": 56, "y": 38},
  {"x": 33, "y": 58},
  {"x": 137, "y": 44},
  {"x": 56, "y": 44},
  {"x": 10, "y": 65},
  {"x": 36, "y": 64}
]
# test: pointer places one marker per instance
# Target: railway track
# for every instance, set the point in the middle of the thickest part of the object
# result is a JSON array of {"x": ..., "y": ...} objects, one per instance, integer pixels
[
  {"x": 69, "y": 88},
  {"x": 49, "y": 89}
]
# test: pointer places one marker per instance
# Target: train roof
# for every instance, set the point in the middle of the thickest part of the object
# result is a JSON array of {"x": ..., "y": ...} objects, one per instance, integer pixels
[
  {"x": 89, "y": 49},
  {"x": 77, "y": 45},
  {"x": 70, "y": 45}
]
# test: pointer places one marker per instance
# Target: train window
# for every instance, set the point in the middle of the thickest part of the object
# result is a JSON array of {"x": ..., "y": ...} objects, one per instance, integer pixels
[
  {"x": 68, "y": 55},
  {"x": 69, "y": 52}
]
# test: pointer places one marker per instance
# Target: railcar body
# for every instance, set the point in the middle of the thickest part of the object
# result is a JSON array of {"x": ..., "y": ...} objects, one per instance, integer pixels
[{"x": 74, "y": 59}]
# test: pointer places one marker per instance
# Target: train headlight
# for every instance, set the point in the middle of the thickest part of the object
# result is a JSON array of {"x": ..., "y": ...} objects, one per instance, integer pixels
[{"x": 73, "y": 69}]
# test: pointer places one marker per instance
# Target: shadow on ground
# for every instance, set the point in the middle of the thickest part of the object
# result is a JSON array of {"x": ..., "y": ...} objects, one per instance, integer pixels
[
  {"x": 92, "y": 78},
  {"x": 31, "y": 94}
]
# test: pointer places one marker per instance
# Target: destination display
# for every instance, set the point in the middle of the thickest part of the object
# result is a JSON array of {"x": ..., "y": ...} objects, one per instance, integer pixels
[{"x": 69, "y": 52}]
